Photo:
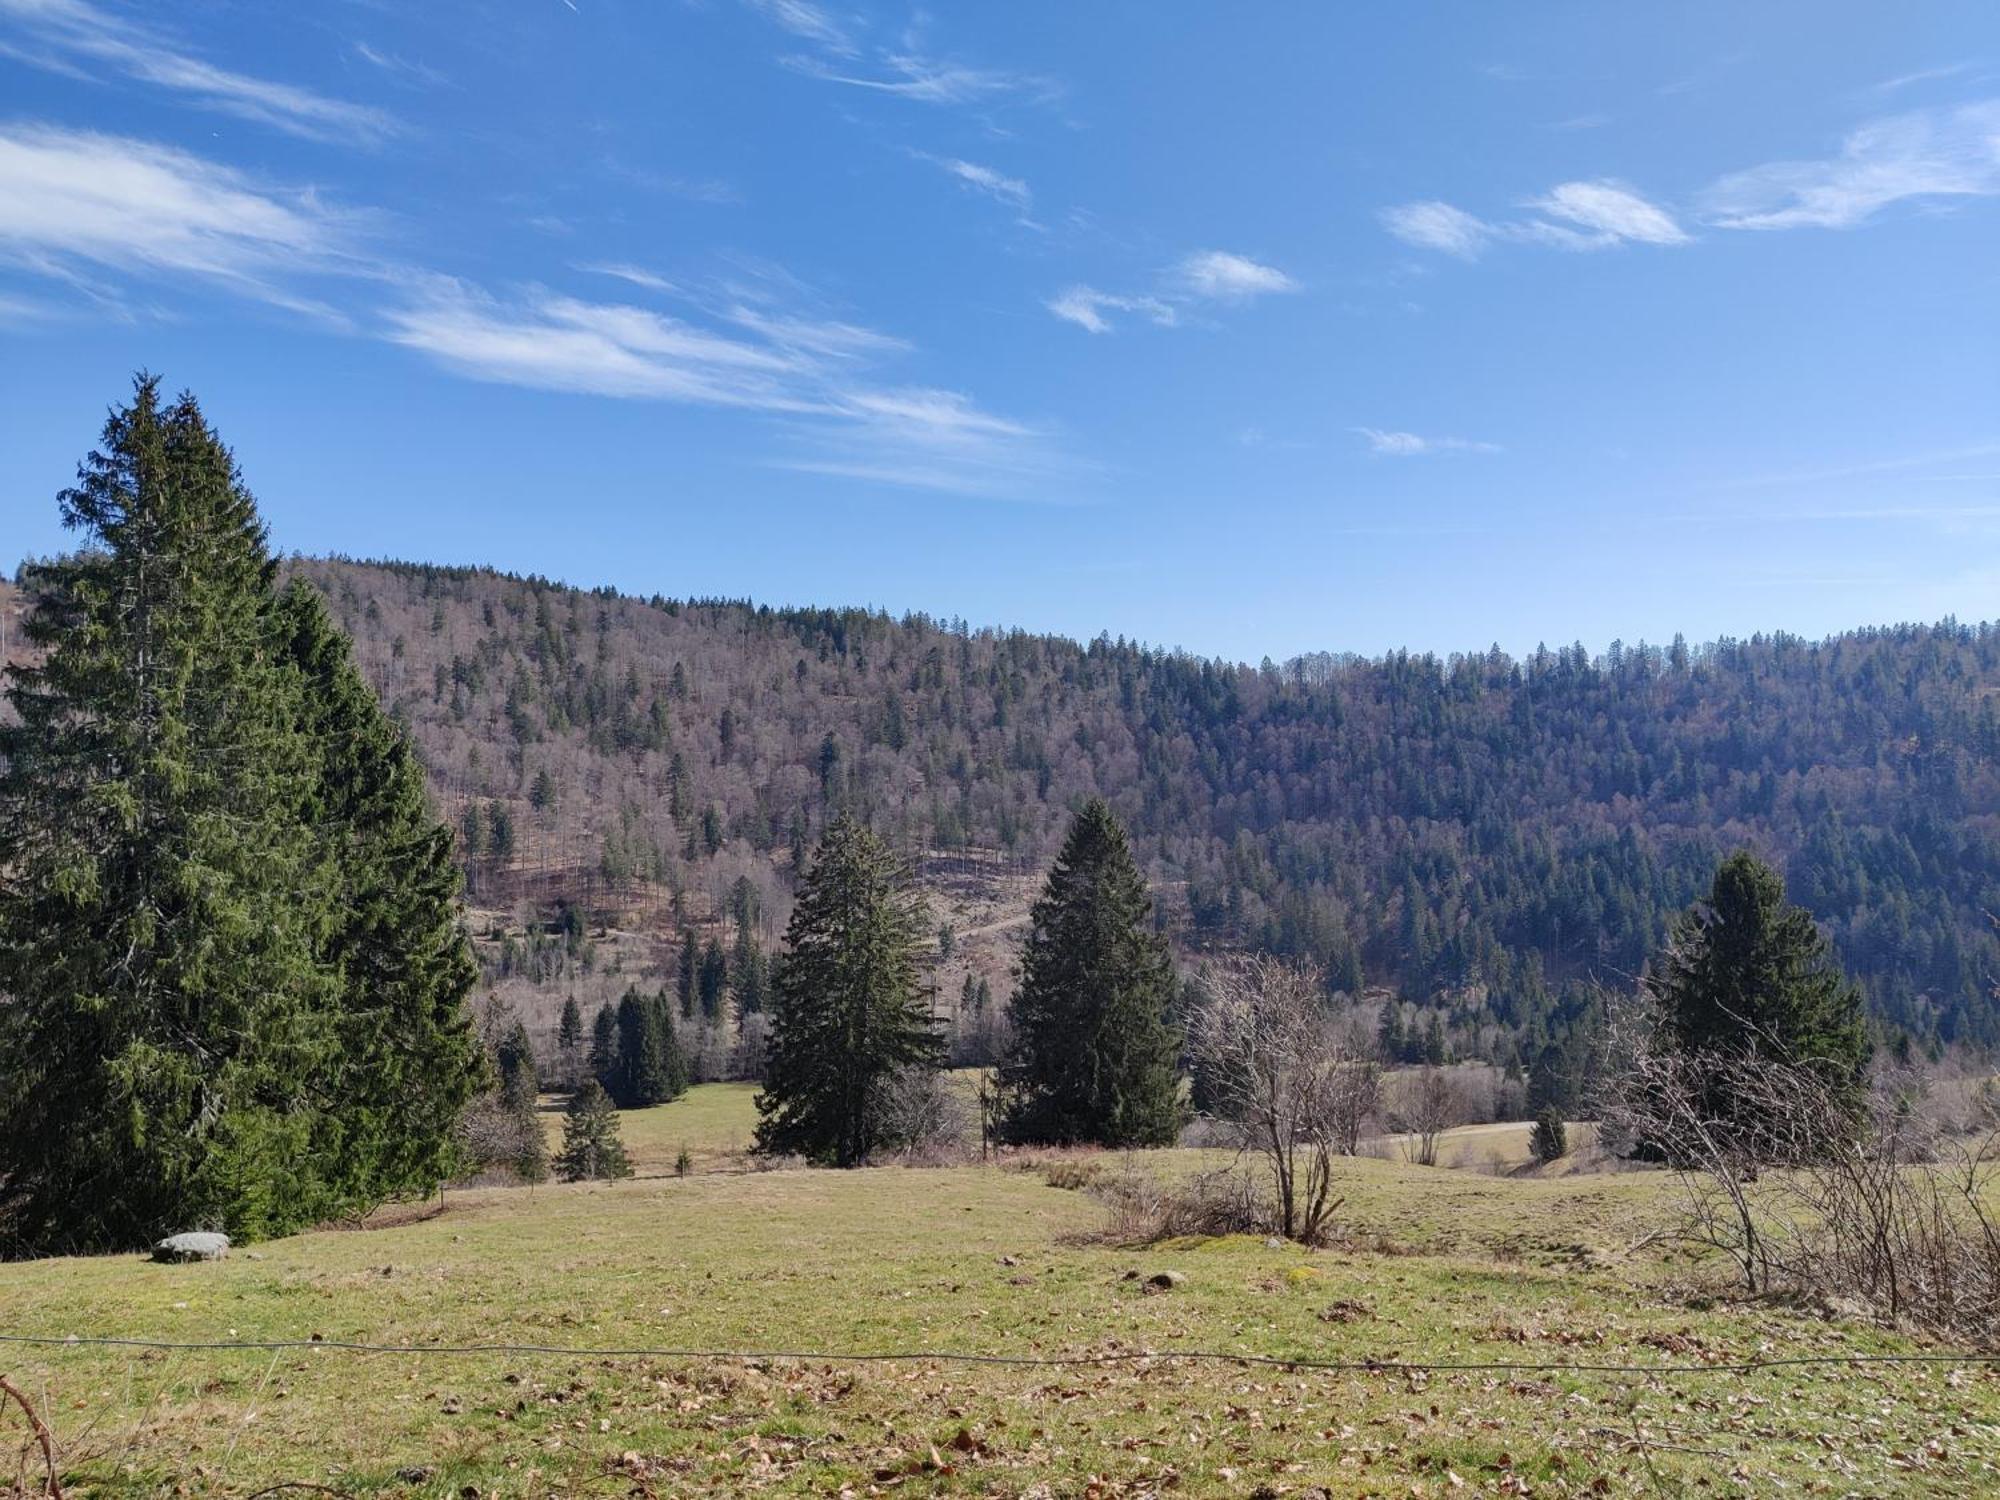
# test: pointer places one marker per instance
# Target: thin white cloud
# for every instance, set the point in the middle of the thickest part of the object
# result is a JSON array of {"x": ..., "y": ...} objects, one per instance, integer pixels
[
  {"x": 1432, "y": 225},
  {"x": 1928, "y": 154},
  {"x": 801, "y": 370},
  {"x": 1011, "y": 191},
  {"x": 1228, "y": 277},
  {"x": 1086, "y": 307},
  {"x": 1393, "y": 444},
  {"x": 94, "y": 213},
  {"x": 401, "y": 68},
  {"x": 1203, "y": 276},
  {"x": 807, "y": 21},
  {"x": 68, "y": 35},
  {"x": 74, "y": 202},
  {"x": 1923, "y": 75},
  {"x": 636, "y": 275},
  {"x": 1600, "y": 215},
  {"x": 555, "y": 343},
  {"x": 930, "y": 80}
]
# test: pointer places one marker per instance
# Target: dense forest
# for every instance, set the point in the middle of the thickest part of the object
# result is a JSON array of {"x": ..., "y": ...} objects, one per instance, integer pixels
[{"x": 1486, "y": 838}]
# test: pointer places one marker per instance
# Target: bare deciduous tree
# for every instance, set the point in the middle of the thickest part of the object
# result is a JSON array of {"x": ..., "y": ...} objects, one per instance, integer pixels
[
  {"x": 1893, "y": 1210},
  {"x": 1282, "y": 1073},
  {"x": 1427, "y": 1105}
]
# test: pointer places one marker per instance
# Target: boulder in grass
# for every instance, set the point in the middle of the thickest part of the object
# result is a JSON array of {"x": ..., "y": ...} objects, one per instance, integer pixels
[{"x": 177, "y": 1248}]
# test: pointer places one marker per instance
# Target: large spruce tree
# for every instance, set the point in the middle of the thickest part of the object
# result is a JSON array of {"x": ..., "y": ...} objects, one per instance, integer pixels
[
  {"x": 849, "y": 1013},
  {"x": 408, "y": 1060},
  {"x": 1747, "y": 974},
  {"x": 225, "y": 935},
  {"x": 1094, "y": 1052}
]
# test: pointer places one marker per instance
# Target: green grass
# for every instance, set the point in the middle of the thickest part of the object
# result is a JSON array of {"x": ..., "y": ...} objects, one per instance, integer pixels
[
  {"x": 979, "y": 1259},
  {"x": 713, "y": 1121}
]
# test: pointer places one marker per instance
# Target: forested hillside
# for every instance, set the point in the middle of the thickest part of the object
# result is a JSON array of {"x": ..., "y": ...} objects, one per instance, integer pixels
[{"x": 1484, "y": 836}]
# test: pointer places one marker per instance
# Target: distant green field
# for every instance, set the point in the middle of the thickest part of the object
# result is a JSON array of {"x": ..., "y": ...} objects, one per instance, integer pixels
[
  {"x": 713, "y": 1120},
  {"x": 1441, "y": 1266}
]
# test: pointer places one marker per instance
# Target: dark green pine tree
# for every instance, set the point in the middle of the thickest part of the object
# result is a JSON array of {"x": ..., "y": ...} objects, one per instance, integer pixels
[
  {"x": 409, "y": 1059},
  {"x": 592, "y": 1147},
  {"x": 688, "y": 976},
  {"x": 849, "y": 1014},
  {"x": 569, "y": 1037},
  {"x": 1747, "y": 974},
  {"x": 650, "y": 1067},
  {"x": 603, "y": 1060},
  {"x": 168, "y": 1046},
  {"x": 1549, "y": 1141},
  {"x": 1094, "y": 1054}
]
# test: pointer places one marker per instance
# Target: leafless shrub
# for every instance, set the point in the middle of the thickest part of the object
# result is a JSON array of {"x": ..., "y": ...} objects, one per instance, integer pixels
[
  {"x": 1426, "y": 1105},
  {"x": 1145, "y": 1209},
  {"x": 1282, "y": 1073},
  {"x": 927, "y": 1120},
  {"x": 1886, "y": 1208},
  {"x": 1073, "y": 1174}
]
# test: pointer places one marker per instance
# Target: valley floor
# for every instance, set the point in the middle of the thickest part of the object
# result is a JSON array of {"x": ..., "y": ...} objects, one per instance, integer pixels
[{"x": 796, "y": 1267}]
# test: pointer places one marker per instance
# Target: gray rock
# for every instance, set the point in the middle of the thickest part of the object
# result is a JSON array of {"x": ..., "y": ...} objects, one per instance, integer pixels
[
  {"x": 196, "y": 1246},
  {"x": 1163, "y": 1281}
]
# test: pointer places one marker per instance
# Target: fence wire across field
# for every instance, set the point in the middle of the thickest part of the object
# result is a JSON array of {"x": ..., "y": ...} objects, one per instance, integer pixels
[{"x": 1360, "y": 1366}]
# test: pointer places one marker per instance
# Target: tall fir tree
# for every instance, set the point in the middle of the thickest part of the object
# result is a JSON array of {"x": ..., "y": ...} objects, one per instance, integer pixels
[
  {"x": 409, "y": 1059},
  {"x": 593, "y": 1148},
  {"x": 1095, "y": 1054},
  {"x": 569, "y": 1037},
  {"x": 650, "y": 1067},
  {"x": 170, "y": 1028},
  {"x": 1747, "y": 974},
  {"x": 603, "y": 1059},
  {"x": 228, "y": 922},
  {"x": 849, "y": 1013}
]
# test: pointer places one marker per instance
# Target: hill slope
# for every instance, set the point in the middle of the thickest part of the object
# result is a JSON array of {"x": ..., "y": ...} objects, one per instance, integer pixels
[{"x": 1480, "y": 834}]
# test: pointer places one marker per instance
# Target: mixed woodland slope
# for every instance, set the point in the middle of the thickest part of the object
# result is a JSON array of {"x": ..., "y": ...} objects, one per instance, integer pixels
[{"x": 1486, "y": 837}]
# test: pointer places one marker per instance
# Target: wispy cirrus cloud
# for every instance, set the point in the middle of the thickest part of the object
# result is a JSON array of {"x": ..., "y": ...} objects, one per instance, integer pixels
[
  {"x": 75, "y": 205},
  {"x": 104, "y": 215},
  {"x": 996, "y": 185},
  {"x": 815, "y": 375},
  {"x": 930, "y": 80},
  {"x": 1389, "y": 443},
  {"x": 1597, "y": 215},
  {"x": 74, "y": 36},
  {"x": 1433, "y": 225},
  {"x": 1228, "y": 277},
  {"x": 1086, "y": 307},
  {"x": 1926, "y": 155},
  {"x": 1600, "y": 215},
  {"x": 1203, "y": 276},
  {"x": 906, "y": 68},
  {"x": 809, "y": 22}
]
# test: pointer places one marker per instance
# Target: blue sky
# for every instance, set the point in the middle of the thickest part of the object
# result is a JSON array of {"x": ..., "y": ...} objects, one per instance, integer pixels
[{"x": 1249, "y": 328}]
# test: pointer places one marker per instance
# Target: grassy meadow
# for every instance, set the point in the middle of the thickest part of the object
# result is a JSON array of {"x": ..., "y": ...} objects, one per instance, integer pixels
[{"x": 1439, "y": 1265}]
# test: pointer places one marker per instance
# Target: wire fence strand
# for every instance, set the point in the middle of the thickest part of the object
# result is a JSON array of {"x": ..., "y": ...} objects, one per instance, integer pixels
[{"x": 1358, "y": 1366}]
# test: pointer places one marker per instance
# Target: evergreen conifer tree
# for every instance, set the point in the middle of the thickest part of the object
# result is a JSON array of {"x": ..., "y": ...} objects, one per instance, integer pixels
[
  {"x": 593, "y": 1148},
  {"x": 228, "y": 921},
  {"x": 569, "y": 1036},
  {"x": 408, "y": 1058},
  {"x": 170, "y": 1027},
  {"x": 603, "y": 1061},
  {"x": 848, "y": 1013},
  {"x": 1094, "y": 1054},
  {"x": 1747, "y": 974},
  {"x": 650, "y": 1070},
  {"x": 1549, "y": 1141}
]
